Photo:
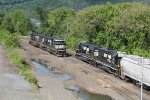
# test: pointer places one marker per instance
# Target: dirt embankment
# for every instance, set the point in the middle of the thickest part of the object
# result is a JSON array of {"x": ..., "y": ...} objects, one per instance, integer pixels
[{"x": 85, "y": 76}]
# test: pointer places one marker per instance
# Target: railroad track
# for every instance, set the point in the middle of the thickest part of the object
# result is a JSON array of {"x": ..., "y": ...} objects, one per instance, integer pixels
[
  {"x": 127, "y": 93},
  {"x": 105, "y": 77}
]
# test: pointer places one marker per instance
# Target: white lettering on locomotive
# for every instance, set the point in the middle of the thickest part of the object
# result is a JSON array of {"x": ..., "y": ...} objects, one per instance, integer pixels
[
  {"x": 109, "y": 56},
  {"x": 96, "y": 53},
  {"x": 84, "y": 48},
  {"x": 105, "y": 55},
  {"x": 37, "y": 38}
]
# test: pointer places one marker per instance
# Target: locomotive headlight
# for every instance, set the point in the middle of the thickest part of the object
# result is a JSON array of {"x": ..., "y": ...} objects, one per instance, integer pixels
[
  {"x": 62, "y": 46},
  {"x": 105, "y": 55},
  {"x": 56, "y": 46},
  {"x": 59, "y": 46},
  {"x": 87, "y": 49},
  {"x": 84, "y": 48}
]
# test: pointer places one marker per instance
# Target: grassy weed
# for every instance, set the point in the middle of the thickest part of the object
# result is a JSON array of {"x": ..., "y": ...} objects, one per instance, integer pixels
[
  {"x": 24, "y": 68},
  {"x": 11, "y": 41}
]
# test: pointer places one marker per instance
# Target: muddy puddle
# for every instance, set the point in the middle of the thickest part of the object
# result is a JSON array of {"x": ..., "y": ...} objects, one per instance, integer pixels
[
  {"x": 43, "y": 69},
  {"x": 85, "y": 95}
]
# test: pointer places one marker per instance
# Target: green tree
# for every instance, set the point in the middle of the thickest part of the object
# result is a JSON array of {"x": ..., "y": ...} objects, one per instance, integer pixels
[
  {"x": 7, "y": 23},
  {"x": 91, "y": 22},
  {"x": 59, "y": 20},
  {"x": 1, "y": 18},
  {"x": 17, "y": 21},
  {"x": 21, "y": 22},
  {"x": 41, "y": 13},
  {"x": 42, "y": 16},
  {"x": 130, "y": 31}
]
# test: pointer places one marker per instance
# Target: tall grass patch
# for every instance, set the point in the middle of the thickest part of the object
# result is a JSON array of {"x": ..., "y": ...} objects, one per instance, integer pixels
[{"x": 11, "y": 41}]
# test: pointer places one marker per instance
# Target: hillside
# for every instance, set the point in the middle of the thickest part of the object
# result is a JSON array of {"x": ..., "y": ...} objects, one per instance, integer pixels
[{"x": 29, "y": 5}]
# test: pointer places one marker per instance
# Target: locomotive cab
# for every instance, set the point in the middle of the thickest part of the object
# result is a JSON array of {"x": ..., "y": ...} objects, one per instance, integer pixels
[
  {"x": 60, "y": 46},
  {"x": 108, "y": 59},
  {"x": 79, "y": 47},
  {"x": 50, "y": 44}
]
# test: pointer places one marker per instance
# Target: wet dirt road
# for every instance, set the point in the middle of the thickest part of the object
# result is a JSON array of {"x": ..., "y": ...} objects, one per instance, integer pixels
[{"x": 87, "y": 77}]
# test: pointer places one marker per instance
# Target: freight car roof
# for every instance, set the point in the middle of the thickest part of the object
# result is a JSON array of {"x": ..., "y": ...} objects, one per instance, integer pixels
[{"x": 138, "y": 58}]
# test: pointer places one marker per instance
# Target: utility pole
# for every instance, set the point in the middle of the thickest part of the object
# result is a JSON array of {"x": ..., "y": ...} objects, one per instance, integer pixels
[{"x": 142, "y": 79}]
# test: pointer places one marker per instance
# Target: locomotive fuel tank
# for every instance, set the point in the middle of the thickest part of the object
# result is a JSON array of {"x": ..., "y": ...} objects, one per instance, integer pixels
[{"x": 131, "y": 66}]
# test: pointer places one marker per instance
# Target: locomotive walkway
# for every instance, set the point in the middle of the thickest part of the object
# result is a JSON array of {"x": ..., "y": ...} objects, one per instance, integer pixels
[{"x": 12, "y": 85}]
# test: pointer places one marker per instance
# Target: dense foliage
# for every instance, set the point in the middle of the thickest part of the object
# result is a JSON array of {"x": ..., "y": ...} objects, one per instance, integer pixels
[
  {"x": 16, "y": 21},
  {"x": 123, "y": 26},
  {"x": 58, "y": 20},
  {"x": 130, "y": 31},
  {"x": 8, "y": 39}
]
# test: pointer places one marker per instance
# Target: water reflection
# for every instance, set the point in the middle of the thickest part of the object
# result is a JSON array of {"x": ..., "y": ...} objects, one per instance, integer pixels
[
  {"x": 85, "y": 95},
  {"x": 43, "y": 69}
]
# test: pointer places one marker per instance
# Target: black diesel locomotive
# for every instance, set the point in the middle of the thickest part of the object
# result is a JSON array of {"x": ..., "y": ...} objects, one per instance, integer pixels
[
  {"x": 118, "y": 63},
  {"x": 106, "y": 59},
  {"x": 51, "y": 44},
  {"x": 86, "y": 51}
]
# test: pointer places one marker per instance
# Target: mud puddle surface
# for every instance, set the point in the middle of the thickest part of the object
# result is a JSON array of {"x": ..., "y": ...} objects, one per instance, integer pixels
[
  {"x": 85, "y": 95},
  {"x": 43, "y": 69}
]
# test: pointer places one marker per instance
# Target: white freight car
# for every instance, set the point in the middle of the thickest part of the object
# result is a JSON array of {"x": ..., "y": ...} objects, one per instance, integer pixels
[{"x": 131, "y": 66}]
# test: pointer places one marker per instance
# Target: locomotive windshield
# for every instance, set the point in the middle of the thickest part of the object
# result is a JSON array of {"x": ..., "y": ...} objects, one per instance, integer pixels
[{"x": 59, "y": 43}]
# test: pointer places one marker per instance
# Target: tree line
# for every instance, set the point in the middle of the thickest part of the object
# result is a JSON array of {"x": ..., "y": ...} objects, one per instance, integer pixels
[
  {"x": 29, "y": 5},
  {"x": 123, "y": 26}
]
